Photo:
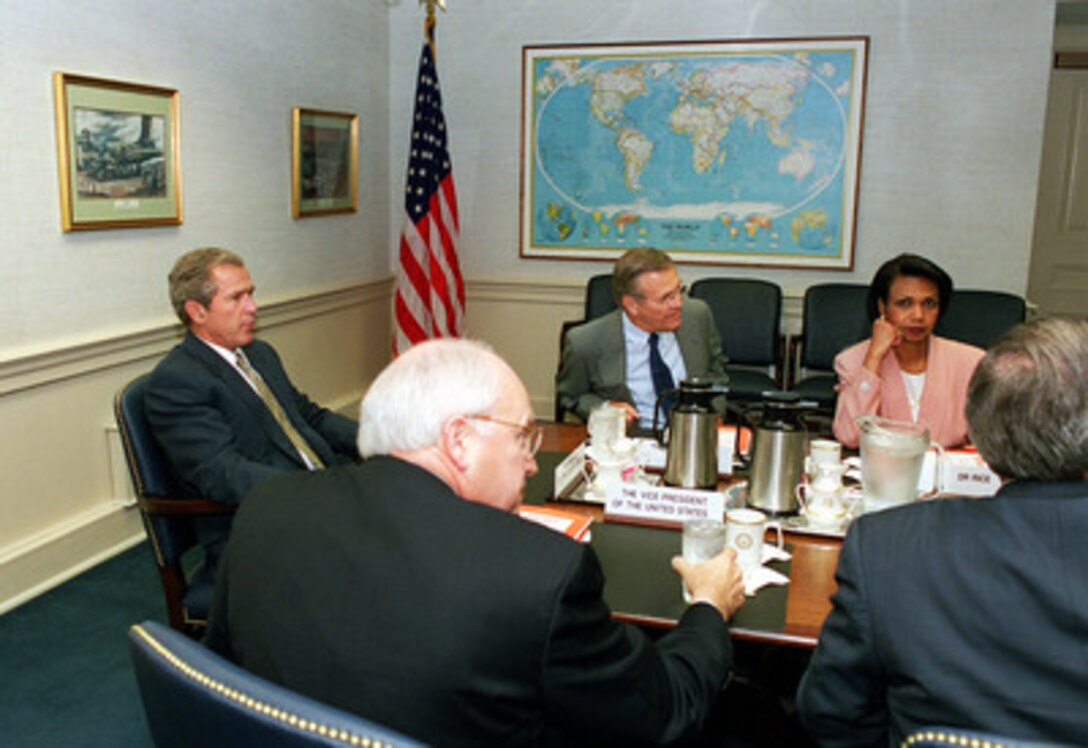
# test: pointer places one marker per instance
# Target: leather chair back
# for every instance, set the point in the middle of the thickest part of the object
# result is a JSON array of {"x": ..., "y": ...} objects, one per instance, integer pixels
[
  {"x": 599, "y": 301},
  {"x": 834, "y": 318},
  {"x": 150, "y": 472},
  {"x": 980, "y": 317},
  {"x": 748, "y": 314},
  {"x": 167, "y": 511},
  {"x": 194, "y": 697},
  {"x": 942, "y": 737}
]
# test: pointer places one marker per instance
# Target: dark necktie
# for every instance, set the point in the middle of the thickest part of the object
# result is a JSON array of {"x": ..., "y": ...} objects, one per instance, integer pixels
[
  {"x": 273, "y": 404},
  {"x": 659, "y": 372}
]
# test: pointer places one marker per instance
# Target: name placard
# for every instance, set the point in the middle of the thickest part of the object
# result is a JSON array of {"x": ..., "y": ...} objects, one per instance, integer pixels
[
  {"x": 661, "y": 504},
  {"x": 958, "y": 472},
  {"x": 569, "y": 472},
  {"x": 967, "y": 474}
]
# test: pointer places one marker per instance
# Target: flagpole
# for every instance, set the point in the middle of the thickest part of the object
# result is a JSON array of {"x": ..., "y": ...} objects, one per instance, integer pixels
[{"x": 429, "y": 23}]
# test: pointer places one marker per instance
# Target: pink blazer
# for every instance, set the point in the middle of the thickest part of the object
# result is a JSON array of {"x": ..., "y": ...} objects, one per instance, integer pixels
[{"x": 944, "y": 398}]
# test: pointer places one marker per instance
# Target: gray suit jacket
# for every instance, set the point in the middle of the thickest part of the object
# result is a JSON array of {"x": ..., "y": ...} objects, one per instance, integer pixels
[{"x": 594, "y": 364}]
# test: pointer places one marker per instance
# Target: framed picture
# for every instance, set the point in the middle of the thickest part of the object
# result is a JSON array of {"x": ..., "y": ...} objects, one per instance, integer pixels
[
  {"x": 117, "y": 152},
  {"x": 727, "y": 153},
  {"x": 324, "y": 163}
]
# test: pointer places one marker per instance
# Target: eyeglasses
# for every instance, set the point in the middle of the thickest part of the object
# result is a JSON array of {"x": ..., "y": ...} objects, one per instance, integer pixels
[
  {"x": 677, "y": 294},
  {"x": 529, "y": 437}
]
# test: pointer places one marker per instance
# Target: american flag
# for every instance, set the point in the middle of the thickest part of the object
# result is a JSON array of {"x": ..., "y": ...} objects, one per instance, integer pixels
[{"x": 430, "y": 298}]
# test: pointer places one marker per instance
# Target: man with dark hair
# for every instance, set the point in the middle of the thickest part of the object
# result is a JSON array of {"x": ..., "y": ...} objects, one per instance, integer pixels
[
  {"x": 220, "y": 403},
  {"x": 407, "y": 590},
  {"x": 974, "y": 613},
  {"x": 655, "y": 339}
]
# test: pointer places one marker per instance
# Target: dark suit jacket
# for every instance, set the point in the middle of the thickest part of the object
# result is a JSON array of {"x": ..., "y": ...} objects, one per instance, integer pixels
[
  {"x": 593, "y": 368},
  {"x": 452, "y": 621},
  {"x": 220, "y": 437},
  {"x": 962, "y": 613}
]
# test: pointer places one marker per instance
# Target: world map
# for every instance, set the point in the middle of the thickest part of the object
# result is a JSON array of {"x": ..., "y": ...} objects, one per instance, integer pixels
[{"x": 743, "y": 155}]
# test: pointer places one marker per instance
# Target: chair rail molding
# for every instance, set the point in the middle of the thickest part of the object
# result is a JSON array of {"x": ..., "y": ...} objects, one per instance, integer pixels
[{"x": 40, "y": 365}]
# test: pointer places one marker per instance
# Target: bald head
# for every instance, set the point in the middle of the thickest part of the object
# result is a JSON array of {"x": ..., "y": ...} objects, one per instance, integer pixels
[{"x": 455, "y": 408}]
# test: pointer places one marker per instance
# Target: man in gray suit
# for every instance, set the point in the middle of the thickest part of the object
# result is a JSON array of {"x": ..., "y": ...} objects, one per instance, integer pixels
[
  {"x": 619, "y": 357},
  {"x": 973, "y": 613}
]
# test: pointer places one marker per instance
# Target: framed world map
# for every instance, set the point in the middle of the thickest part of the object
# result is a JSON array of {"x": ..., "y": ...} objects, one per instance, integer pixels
[{"x": 733, "y": 153}]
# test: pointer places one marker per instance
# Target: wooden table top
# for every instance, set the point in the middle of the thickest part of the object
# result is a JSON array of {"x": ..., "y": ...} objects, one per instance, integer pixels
[{"x": 641, "y": 587}]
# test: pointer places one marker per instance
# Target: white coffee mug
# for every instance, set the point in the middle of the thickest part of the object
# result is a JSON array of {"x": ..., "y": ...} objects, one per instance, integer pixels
[
  {"x": 744, "y": 531},
  {"x": 824, "y": 452}
]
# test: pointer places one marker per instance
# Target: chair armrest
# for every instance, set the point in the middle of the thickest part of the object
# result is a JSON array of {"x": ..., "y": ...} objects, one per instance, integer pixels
[
  {"x": 791, "y": 367},
  {"x": 167, "y": 507}
]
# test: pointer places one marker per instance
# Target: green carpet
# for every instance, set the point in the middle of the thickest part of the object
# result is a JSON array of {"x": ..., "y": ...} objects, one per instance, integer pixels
[{"x": 65, "y": 674}]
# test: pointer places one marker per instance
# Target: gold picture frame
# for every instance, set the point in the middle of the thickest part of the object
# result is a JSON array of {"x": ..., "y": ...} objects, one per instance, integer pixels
[
  {"x": 324, "y": 162},
  {"x": 118, "y": 153}
]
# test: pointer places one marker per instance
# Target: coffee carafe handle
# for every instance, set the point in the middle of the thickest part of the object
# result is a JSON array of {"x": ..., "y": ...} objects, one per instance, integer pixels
[
  {"x": 741, "y": 414},
  {"x": 659, "y": 432}
]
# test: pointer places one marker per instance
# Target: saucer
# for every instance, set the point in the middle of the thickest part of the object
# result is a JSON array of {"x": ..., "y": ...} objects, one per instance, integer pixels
[
  {"x": 802, "y": 524},
  {"x": 829, "y": 522}
]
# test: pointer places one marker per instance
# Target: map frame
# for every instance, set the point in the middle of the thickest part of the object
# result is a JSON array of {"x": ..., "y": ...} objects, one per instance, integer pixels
[{"x": 825, "y": 239}]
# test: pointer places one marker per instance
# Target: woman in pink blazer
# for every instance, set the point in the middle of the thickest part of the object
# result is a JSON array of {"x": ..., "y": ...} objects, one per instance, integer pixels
[{"x": 903, "y": 371}]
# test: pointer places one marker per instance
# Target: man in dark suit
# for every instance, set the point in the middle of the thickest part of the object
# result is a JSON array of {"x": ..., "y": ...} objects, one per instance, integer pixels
[
  {"x": 974, "y": 613},
  {"x": 220, "y": 435},
  {"x": 611, "y": 359},
  {"x": 407, "y": 590}
]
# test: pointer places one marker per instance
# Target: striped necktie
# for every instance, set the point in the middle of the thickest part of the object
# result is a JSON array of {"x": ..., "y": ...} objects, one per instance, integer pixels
[{"x": 277, "y": 411}]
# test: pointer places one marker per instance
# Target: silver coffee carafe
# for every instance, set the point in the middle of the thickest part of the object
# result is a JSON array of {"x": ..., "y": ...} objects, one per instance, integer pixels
[
  {"x": 779, "y": 441},
  {"x": 691, "y": 457}
]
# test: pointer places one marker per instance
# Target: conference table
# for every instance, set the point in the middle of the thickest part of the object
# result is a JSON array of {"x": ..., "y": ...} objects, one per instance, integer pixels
[{"x": 641, "y": 587}]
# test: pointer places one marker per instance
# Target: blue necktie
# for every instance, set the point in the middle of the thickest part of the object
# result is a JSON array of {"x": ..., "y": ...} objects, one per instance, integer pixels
[{"x": 659, "y": 372}]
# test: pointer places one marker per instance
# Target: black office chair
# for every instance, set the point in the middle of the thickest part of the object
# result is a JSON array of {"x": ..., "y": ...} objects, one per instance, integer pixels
[
  {"x": 598, "y": 302},
  {"x": 834, "y": 318},
  {"x": 167, "y": 513},
  {"x": 194, "y": 697},
  {"x": 980, "y": 317},
  {"x": 941, "y": 737},
  {"x": 747, "y": 314}
]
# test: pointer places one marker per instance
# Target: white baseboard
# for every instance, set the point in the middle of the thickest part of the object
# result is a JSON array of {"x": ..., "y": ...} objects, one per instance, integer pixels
[{"x": 66, "y": 550}]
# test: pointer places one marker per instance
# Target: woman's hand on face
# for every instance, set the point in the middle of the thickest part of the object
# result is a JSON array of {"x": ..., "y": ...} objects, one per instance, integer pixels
[{"x": 885, "y": 337}]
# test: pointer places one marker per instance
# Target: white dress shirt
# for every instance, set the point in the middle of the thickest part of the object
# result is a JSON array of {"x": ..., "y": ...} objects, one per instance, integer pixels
[{"x": 639, "y": 381}]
